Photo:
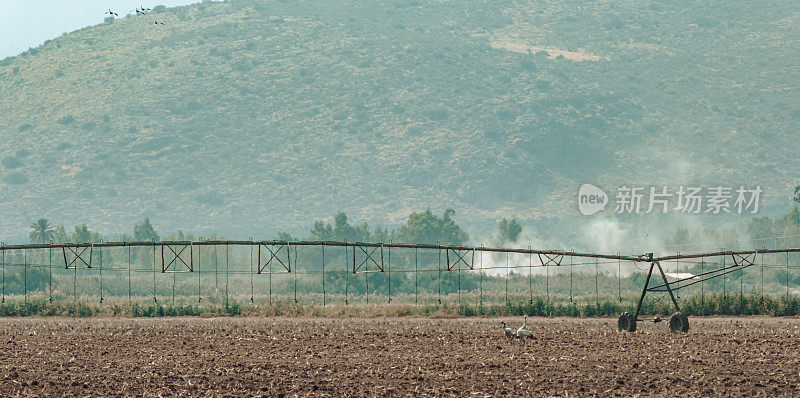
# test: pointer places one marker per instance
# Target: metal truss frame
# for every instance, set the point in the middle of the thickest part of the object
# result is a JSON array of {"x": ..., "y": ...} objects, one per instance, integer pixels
[
  {"x": 653, "y": 265},
  {"x": 460, "y": 257},
  {"x": 550, "y": 260},
  {"x": 177, "y": 258},
  {"x": 274, "y": 255},
  {"x": 78, "y": 253},
  {"x": 369, "y": 252}
]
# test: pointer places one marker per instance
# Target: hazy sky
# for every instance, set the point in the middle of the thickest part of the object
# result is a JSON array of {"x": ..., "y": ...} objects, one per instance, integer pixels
[{"x": 28, "y": 23}]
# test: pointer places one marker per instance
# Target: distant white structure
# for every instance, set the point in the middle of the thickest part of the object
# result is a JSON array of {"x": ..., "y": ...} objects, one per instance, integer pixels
[{"x": 679, "y": 275}]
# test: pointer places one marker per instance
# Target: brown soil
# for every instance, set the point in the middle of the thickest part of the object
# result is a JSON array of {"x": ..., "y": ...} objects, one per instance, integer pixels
[{"x": 394, "y": 356}]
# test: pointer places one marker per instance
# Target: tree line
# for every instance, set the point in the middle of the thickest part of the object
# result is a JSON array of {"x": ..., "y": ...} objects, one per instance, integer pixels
[
  {"x": 421, "y": 227},
  {"x": 43, "y": 232}
]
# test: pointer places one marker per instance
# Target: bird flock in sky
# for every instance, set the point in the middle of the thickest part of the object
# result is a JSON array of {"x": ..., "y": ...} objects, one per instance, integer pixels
[{"x": 139, "y": 11}]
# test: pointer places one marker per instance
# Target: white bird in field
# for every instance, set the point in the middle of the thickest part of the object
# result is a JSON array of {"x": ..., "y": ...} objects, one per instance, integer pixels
[
  {"x": 522, "y": 332},
  {"x": 507, "y": 330}
]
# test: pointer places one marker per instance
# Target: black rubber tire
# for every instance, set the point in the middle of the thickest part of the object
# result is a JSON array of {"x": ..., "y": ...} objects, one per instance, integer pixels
[
  {"x": 626, "y": 323},
  {"x": 679, "y": 323}
]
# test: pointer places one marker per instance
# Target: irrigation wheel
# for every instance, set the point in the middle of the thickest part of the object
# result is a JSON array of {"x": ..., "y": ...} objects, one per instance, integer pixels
[
  {"x": 679, "y": 323},
  {"x": 626, "y": 322}
]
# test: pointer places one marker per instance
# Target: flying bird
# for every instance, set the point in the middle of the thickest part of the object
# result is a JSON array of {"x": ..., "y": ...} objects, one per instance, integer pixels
[{"x": 112, "y": 13}]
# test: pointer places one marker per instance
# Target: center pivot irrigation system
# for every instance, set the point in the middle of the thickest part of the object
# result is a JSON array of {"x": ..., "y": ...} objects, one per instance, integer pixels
[
  {"x": 679, "y": 322},
  {"x": 275, "y": 257}
]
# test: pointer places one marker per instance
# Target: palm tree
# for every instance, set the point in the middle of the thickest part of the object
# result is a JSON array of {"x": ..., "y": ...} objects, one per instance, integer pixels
[{"x": 42, "y": 231}]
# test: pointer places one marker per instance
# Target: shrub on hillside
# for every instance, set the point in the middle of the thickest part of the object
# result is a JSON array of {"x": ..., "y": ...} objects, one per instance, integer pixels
[
  {"x": 66, "y": 120},
  {"x": 16, "y": 178}
]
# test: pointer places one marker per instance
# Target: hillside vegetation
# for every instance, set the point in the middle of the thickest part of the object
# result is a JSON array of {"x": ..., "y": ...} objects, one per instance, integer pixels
[{"x": 254, "y": 116}]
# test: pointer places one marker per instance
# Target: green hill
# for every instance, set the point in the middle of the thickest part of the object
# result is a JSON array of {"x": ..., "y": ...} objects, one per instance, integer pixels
[{"x": 254, "y": 116}]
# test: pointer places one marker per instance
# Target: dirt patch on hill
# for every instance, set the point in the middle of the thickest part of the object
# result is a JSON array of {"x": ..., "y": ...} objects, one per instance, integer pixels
[{"x": 552, "y": 53}]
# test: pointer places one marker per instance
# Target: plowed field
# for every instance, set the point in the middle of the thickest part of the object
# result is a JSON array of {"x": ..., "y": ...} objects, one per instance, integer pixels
[{"x": 395, "y": 356}]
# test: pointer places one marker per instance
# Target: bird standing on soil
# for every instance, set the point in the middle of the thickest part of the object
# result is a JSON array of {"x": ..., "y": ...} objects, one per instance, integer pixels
[
  {"x": 522, "y": 332},
  {"x": 112, "y": 13},
  {"x": 507, "y": 330}
]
